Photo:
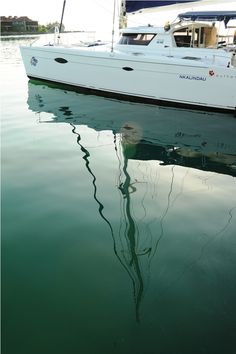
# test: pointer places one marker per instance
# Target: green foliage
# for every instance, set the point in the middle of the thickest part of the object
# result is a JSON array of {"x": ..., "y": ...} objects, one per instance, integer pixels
[
  {"x": 51, "y": 27},
  {"x": 42, "y": 29}
]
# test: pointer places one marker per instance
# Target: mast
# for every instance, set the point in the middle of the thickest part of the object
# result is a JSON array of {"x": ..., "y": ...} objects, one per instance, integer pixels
[
  {"x": 113, "y": 27},
  {"x": 62, "y": 15},
  {"x": 122, "y": 17}
]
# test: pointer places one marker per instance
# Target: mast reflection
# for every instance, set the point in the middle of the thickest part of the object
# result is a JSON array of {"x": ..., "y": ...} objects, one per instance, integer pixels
[
  {"x": 129, "y": 260},
  {"x": 143, "y": 133}
]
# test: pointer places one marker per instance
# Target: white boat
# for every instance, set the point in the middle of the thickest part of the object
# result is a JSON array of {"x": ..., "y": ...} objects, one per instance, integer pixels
[{"x": 179, "y": 64}]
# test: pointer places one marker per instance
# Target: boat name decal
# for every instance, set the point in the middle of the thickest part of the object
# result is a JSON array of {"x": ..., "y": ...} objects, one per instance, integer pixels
[
  {"x": 192, "y": 77},
  {"x": 34, "y": 61}
]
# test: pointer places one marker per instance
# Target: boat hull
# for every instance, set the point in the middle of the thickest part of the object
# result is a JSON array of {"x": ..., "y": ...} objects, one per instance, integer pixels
[{"x": 162, "y": 80}]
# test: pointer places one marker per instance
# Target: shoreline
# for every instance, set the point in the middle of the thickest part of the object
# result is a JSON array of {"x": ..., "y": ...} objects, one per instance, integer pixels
[{"x": 8, "y": 34}]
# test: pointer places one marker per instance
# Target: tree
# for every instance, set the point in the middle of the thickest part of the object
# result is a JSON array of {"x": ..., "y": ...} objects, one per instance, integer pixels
[
  {"x": 51, "y": 27},
  {"x": 42, "y": 29}
]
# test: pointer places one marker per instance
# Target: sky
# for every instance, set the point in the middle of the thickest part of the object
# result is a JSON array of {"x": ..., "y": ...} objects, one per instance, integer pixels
[
  {"x": 78, "y": 15},
  {"x": 86, "y": 15}
]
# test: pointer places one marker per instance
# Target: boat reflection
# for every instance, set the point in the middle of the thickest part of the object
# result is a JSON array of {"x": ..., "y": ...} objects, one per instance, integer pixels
[
  {"x": 202, "y": 141},
  {"x": 199, "y": 140}
]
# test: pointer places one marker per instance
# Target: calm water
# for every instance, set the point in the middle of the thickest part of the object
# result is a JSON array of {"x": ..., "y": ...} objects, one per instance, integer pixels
[{"x": 118, "y": 223}]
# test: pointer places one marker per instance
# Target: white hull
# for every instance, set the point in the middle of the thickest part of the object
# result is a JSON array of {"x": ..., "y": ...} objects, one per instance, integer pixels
[{"x": 166, "y": 80}]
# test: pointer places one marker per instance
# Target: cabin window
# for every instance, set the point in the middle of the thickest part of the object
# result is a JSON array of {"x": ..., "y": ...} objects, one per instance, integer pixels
[
  {"x": 190, "y": 37},
  {"x": 136, "y": 38},
  {"x": 183, "y": 37}
]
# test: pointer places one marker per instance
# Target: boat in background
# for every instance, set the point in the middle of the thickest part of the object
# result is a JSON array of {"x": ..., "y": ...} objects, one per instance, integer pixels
[
  {"x": 156, "y": 13},
  {"x": 180, "y": 64},
  {"x": 131, "y": 8},
  {"x": 131, "y": 5}
]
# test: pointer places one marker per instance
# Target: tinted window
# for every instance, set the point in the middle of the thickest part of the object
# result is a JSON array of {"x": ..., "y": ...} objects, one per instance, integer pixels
[{"x": 136, "y": 38}]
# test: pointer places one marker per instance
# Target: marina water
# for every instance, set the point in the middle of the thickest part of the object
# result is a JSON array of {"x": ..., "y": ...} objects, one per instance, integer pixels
[{"x": 118, "y": 223}]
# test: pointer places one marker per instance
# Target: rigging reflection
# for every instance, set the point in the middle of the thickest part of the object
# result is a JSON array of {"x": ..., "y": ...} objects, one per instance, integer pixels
[{"x": 203, "y": 141}]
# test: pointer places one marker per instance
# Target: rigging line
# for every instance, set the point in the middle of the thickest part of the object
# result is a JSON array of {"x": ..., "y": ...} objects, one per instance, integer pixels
[
  {"x": 149, "y": 235},
  {"x": 119, "y": 183},
  {"x": 101, "y": 206},
  {"x": 126, "y": 260},
  {"x": 165, "y": 212},
  {"x": 137, "y": 288},
  {"x": 86, "y": 158},
  {"x": 103, "y": 7},
  {"x": 118, "y": 180},
  {"x": 120, "y": 187},
  {"x": 181, "y": 188},
  {"x": 131, "y": 237},
  {"x": 144, "y": 196},
  {"x": 118, "y": 158},
  {"x": 199, "y": 257},
  {"x": 230, "y": 213}
]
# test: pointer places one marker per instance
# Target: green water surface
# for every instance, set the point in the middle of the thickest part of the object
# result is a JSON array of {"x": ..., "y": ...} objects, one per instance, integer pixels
[{"x": 118, "y": 223}]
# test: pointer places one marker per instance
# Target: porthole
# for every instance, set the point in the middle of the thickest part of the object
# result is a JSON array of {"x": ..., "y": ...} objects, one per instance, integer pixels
[
  {"x": 127, "y": 68},
  {"x": 61, "y": 60}
]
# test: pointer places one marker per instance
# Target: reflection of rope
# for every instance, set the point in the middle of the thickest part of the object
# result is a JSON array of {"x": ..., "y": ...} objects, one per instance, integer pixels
[
  {"x": 130, "y": 232},
  {"x": 101, "y": 206},
  {"x": 165, "y": 213},
  {"x": 181, "y": 189},
  {"x": 202, "y": 250},
  {"x": 221, "y": 231},
  {"x": 85, "y": 157},
  {"x": 131, "y": 263}
]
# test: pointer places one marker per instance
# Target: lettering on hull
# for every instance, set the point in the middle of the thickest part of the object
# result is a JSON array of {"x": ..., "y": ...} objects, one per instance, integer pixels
[{"x": 192, "y": 77}]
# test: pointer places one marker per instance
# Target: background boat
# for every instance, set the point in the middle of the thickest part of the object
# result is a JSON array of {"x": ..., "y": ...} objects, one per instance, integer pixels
[{"x": 159, "y": 15}]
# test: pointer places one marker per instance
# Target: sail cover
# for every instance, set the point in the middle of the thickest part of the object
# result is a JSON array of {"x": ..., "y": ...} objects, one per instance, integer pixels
[
  {"x": 209, "y": 16},
  {"x": 135, "y": 5}
]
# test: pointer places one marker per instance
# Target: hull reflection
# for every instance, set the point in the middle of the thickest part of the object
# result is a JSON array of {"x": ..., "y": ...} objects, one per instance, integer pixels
[
  {"x": 200, "y": 140},
  {"x": 196, "y": 140}
]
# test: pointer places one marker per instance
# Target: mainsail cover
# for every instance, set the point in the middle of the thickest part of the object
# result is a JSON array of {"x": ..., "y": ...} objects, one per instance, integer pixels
[
  {"x": 225, "y": 16},
  {"x": 135, "y": 5}
]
